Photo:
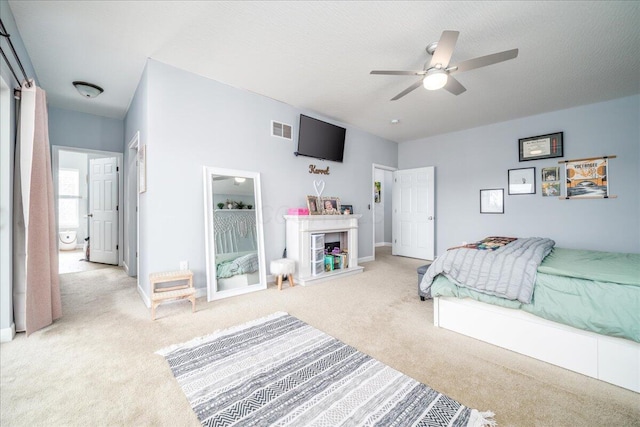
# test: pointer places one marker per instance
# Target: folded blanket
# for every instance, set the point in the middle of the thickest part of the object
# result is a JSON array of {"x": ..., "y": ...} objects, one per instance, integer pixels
[
  {"x": 508, "y": 272},
  {"x": 241, "y": 265}
]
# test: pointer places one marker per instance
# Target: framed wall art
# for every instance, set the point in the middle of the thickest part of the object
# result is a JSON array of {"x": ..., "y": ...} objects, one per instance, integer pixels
[
  {"x": 550, "y": 181},
  {"x": 522, "y": 181},
  {"x": 492, "y": 201},
  {"x": 541, "y": 147},
  {"x": 377, "y": 191},
  {"x": 588, "y": 178}
]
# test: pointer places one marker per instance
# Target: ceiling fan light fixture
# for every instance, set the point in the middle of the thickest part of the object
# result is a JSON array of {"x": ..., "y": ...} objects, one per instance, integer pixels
[
  {"x": 88, "y": 90},
  {"x": 435, "y": 79}
]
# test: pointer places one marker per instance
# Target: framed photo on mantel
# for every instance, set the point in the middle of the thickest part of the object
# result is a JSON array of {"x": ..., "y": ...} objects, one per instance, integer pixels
[{"x": 541, "y": 147}]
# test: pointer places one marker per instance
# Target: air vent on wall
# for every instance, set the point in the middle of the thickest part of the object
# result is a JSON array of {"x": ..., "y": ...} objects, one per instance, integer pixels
[{"x": 281, "y": 130}]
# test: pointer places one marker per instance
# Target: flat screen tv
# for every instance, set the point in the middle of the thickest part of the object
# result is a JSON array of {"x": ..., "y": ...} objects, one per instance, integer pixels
[{"x": 320, "y": 139}]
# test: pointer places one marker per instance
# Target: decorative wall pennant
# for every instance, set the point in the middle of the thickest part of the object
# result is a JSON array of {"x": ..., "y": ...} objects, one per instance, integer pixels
[{"x": 319, "y": 187}]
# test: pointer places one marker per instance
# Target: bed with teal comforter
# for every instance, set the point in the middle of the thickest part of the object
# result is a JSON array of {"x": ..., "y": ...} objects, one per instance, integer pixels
[{"x": 590, "y": 290}]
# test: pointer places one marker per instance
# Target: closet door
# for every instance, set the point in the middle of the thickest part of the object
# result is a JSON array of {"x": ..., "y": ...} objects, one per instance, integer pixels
[
  {"x": 103, "y": 210},
  {"x": 413, "y": 213}
]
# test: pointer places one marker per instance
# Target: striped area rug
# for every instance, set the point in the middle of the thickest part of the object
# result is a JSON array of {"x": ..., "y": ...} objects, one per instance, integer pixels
[{"x": 279, "y": 371}]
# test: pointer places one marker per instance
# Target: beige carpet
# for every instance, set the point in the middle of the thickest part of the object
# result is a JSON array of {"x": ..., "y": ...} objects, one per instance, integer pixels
[
  {"x": 96, "y": 366},
  {"x": 74, "y": 261}
]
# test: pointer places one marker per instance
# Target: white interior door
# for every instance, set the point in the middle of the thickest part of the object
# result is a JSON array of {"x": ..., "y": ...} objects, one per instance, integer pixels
[
  {"x": 413, "y": 213},
  {"x": 103, "y": 210}
]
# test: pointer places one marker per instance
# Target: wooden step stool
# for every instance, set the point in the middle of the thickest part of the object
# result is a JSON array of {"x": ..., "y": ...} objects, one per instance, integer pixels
[{"x": 167, "y": 293}]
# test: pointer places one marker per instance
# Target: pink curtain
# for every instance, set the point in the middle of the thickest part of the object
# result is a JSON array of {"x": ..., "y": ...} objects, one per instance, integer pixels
[{"x": 37, "y": 301}]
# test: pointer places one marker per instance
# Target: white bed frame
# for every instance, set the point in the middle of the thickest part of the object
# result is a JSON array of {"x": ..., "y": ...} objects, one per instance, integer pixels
[{"x": 610, "y": 359}]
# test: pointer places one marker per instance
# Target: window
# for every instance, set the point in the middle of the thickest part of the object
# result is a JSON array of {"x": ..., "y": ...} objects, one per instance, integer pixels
[{"x": 69, "y": 198}]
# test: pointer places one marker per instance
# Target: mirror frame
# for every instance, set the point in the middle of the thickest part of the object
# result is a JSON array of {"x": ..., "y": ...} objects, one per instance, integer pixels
[{"x": 210, "y": 247}]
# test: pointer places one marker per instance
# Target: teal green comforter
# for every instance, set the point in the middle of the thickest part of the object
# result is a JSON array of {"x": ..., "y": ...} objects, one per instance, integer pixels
[{"x": 590, "y": 290}]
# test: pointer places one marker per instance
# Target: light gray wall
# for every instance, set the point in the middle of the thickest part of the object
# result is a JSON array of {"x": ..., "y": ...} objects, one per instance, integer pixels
[
  {"x": 82, "y": 130},
  {"x": 468, "y": 161},
  {"x": 135, "y": 121},
  {"x": 195, "y": 122},
  {"x": 6, "y": 167}
]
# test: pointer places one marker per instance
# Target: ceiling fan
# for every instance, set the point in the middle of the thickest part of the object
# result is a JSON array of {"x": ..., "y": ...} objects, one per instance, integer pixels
[{"x": 438, "y": 73}]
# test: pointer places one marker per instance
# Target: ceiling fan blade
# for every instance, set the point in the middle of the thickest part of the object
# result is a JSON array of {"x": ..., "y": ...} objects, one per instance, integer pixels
[
  {"x": 483, "y": 61},
  {"x": 454, "y": 86},
  {"x": 407, "y": 90},
  {"x": 399, "y": 73},
  {"x": 444, "y": 50}
]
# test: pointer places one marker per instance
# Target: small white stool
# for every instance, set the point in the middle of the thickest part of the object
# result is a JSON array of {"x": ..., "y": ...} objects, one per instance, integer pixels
[{"x": 283, "y": 267}]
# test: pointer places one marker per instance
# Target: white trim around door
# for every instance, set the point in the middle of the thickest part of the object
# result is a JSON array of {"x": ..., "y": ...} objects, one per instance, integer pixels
[{"x": 56, "y": 149}]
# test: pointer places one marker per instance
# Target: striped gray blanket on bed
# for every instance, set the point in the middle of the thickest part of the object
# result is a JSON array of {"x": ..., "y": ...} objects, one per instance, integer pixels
[{"x": 508, "y": 272}]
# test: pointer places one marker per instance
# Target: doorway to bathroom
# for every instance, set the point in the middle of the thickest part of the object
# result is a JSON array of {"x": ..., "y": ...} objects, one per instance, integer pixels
[{"x": 88, "y": 195}]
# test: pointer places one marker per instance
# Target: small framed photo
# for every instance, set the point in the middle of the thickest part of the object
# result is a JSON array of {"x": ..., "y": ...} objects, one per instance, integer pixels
[
  {"x": 522, "y": 181},
  {"x": 346, "y": 209},
  {"x": 541, "y": 147},
  {"x": 313, "y": 204},
  {"x": 551, "y": 174},
  {"x": 550, "y": 185},
  {"x": 330, "y": 206},
  {"x": 492, "y": 201}
]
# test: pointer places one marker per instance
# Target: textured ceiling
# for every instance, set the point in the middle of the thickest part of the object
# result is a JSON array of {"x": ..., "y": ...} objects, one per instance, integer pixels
[{"x": 317, "y": 55}]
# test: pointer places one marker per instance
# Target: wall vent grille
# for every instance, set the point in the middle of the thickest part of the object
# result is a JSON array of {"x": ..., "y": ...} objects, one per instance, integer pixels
[{"x": 281, "y": 130}]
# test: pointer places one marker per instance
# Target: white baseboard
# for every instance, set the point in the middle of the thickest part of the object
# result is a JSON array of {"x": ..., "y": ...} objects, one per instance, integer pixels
[
  {"x": 125, "y": 267},
  {"x": 144, "y": 296},
  {"x": 7, "y": 334},
  {"x": 366, "y": 259},
  {"x": 379, "y": 244}
]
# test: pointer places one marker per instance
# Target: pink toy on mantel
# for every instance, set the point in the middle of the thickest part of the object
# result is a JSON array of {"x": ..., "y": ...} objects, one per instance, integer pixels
[{"x": 298, "y": 211}]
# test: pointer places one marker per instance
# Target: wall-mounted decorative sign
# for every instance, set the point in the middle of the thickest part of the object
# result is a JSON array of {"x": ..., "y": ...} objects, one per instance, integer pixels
[
  {"x": 541, "y": 147},
  {"x": 522, "y": 181},
  {"x": 551, "y": 181},
  {"x": 314, "y": 169},
  {"x": 588, "y": 178},
  {"x": 319, "y": 187},
  {"x": 492, "y": 201}
]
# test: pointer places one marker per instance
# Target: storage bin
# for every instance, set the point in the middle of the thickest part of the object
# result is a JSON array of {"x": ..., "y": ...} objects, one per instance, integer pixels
[
  {"x": 317, "y": 241},
  {"x": 317, "y": 255},
  {"x": 317, "y": 267}
]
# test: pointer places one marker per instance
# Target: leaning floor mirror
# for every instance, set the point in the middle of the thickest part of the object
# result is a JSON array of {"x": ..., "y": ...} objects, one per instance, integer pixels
[{"x": 235, "y": 258}]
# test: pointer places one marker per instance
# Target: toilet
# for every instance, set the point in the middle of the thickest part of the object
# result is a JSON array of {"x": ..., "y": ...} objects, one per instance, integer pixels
[{"x": 68, "y": 240}]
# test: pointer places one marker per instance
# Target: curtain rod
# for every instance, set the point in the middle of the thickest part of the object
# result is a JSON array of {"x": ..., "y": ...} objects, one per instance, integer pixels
[{"x": 5, "y": 34}]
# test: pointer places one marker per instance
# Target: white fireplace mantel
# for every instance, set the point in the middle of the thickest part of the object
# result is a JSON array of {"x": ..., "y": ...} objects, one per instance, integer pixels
[{"x": 299, "y": 229}]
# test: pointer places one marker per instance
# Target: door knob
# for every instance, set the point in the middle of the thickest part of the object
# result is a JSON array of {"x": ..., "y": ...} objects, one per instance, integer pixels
[
  {"x": 90, "y": 215},
  {"x": 430, "y": 218}
]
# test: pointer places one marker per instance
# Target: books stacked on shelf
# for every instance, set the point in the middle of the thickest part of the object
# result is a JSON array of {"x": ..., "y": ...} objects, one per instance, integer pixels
[
  {"x": 328, "y": 263},
  {"x": 336, "y": 260}
]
